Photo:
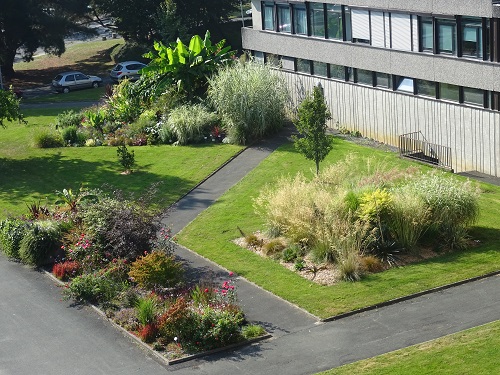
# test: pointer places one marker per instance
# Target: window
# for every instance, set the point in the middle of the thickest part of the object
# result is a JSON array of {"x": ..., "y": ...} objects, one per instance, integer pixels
[
  {"x": 287, "y": 63},
  {"x": 258, "y": 57},
  {"x": 303, "y": 66},
  {"x": 401, "y": 31},
  {"x": 320, "y": 69},
  {"x": 364, "y": 77},
  {"x": 383, "y": 80},
  {"x": 334, "y": 21},
  {"x": 337, "y": 72},
  {"x": 405, "y": 84},
  {"x": 360, "y": 20},
  {"x": 317, "y": 19},
  {"x": 348, "y": 23},
  {"x": 426, "y": 88},
  {"x": 273, "y": 60},
  {"x": 472, "y": 37},
  {"x": 299, "y": 19},
  {"x": 449, "y": 92},
  {"x": 447, "y": 40},
  {"x": 473, "y": 96},
  {"x": 268, "y": 14},
  {"x": 284, "y": 22},
  {"x": 427, "y": 34},
  {"x": 70, "y": 78},
  {"x": 80, "y": 77}
]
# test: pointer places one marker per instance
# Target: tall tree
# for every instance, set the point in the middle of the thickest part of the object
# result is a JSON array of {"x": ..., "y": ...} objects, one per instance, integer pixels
[
  {"x": 26, "y": 25},
  {"x": 183, "y": 18},
  {"x": 134, "y": 20},
  {"x": 313, "y": 114},
  {"x": 9, "y": 107}
]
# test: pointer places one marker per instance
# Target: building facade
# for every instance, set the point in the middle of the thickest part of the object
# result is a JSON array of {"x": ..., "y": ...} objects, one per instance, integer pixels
[{"x": 429, "y": 68}]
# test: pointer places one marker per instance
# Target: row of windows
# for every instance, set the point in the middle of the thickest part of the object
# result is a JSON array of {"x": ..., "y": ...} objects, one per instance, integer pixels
[
  {"x": 430, "y": 89},
  {"x": 459, "y": 36}
]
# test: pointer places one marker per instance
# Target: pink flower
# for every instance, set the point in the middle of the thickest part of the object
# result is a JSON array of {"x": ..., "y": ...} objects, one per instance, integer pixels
[
  {"x": 206, "y": 290},
  {"x": 231, "y": 274}
]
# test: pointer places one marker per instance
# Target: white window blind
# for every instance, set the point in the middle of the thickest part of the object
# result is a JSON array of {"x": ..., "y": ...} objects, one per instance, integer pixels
[
  {"x": 378, "y": 29},
  {"x": 360, "y": 20},
  {"x": 401, "y": 31},
  {"x": 414, "y": 23},
  {"x": 288, "y": 63}
]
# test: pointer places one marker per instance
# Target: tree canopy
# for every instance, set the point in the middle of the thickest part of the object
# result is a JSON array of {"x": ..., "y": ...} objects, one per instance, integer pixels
[
  {"x": 28, "y": 25},
  {"x": 9, "y": 107}
]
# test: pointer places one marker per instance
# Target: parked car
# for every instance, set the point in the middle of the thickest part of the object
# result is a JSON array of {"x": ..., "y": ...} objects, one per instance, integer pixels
[
  {"x": 126, "y": 69},
  {"x": 66, "y": 82}
]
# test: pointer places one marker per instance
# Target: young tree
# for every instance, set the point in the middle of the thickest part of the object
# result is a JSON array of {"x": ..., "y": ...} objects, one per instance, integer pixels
[
  {"x": 311, "y": 124},
  {"x": 9, "y": 107}
]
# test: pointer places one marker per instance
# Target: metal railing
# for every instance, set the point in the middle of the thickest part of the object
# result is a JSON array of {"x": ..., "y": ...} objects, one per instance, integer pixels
[{"x": 415, "y": 146}]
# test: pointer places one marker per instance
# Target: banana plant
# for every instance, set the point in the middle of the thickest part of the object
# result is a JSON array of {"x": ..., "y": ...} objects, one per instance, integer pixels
[{"x": 188, "y": 67}]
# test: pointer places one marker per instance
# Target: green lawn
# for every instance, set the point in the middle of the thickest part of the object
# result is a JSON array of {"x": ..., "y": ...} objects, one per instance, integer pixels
[
  {"x": 30, "y": 174},
  {"x": 474, "y": 351},
  {"x": 211, "y": 233},
  {"x": 88, "y": 95}
]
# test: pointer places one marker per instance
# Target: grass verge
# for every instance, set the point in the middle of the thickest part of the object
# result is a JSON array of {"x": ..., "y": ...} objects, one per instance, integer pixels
[
  {"x": 211, "y": 234},
  {"x": 90, "y": 95},
  {"x": 30, "y": 174},
  {"x": 473, "y": 351}
]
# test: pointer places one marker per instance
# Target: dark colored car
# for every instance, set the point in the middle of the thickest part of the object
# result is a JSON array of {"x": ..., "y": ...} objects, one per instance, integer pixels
[{"x": 69, "y": 81}]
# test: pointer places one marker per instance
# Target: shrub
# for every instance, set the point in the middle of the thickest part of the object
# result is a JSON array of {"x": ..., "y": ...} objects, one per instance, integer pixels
[
  {"x": 148, "y": 332},
  {"x": 70, "y": 135},
  {"x": 93, "y": 288},
  {"x": 41, "y": 240},
  {"x": 11, "y": 233},
  {"x": 119, "y": 226},
  {"x": 125, "y": 157},
  {"x": 190, "y": 122},
  {"x": 251, "y": 99},
  {"x": 211, "y": 328},
  {"x": 95, "y": 117},
  {"x": 156, "y": 269},
  {"x": 252, "y": 331},
  {"x": 253, "y": 240},
  {"x": 273, "y": 247},
  {"x": 69, "y": 119},
  {"x": 370, "y": 263},
  {"x": 65, "y": 270},
  {"x": 48, "y": 139},
  {"x": 291, "y": 253},
  {"x": 125, "y": 104},
  {"x": 171, "y": 323}
]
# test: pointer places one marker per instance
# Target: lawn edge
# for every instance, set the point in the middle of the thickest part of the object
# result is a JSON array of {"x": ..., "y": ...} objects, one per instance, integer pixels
[{"x": 409, "y": 297}]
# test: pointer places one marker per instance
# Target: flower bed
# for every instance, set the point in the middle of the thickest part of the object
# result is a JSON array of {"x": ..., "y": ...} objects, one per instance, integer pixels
[{"x": 112, "y": 252}]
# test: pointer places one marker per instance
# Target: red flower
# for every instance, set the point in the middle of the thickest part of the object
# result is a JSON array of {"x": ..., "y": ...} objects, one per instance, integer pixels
[
  {"x": 206, "y": 290},
  {"x": 231, "y": 274}
]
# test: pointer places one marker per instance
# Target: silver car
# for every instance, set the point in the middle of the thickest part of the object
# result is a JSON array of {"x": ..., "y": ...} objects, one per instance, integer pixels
[
  {"x": 126, "y": 69},
  {"x": 66, "y": 82}
]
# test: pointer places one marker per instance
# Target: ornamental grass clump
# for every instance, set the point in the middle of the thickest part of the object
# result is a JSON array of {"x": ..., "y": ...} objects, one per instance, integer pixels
[
  {"x": 190, "y": 122},
  {"x": 453, "y": 205},
  {"x": 40, "y": 241},
  {"x": 11, "y": 233},
  {"x": 251, "y": 98}
]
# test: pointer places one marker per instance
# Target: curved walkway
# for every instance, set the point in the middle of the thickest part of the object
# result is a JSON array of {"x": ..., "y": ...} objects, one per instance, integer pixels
[{"x": 40, "y": 334}]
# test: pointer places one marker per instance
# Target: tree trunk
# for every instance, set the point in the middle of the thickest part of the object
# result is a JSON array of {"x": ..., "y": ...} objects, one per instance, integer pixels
[{"x": 8, "y": 65}]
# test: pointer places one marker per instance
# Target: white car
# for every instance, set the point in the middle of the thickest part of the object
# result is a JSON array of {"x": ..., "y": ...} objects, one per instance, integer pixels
[
  {"x": 126, "y": 69},
  {"x": 68, "y": 81}
]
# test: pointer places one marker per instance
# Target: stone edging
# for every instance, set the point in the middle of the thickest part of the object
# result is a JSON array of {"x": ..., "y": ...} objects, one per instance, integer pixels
[
  {"x": 408, "y": 297},
  {"x": 157, "y": 356}
]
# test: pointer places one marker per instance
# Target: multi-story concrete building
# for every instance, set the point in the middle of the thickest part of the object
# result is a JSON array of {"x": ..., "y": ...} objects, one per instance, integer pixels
[{"x": 427, "y": 69}]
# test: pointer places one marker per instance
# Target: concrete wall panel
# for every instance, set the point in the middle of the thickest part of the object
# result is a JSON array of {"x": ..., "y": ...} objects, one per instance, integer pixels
[{"x": 473, "y": 135}]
